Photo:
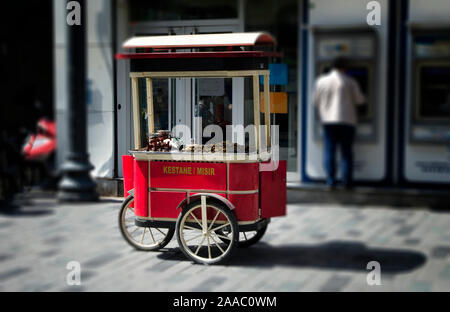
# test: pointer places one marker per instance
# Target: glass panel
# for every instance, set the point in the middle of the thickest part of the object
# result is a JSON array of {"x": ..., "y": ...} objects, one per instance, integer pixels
[
  {"x": 280, "y": 18},
  {"x": 161, "y": 103},
  {"x": 249, "y": 118},
  {"x": 212, "y": 100},
  {"x": 434, "y": 84},
  {"x": 213, "y": 103},
  {"x": 261, "y": 110},
  {"x": 149, "y": 11},
  {"x": 432, "y": 46},
  {"x": 248, "y": 102},
  {"x": 143, "y": 110},
  {"x": 163, "y": 97}
]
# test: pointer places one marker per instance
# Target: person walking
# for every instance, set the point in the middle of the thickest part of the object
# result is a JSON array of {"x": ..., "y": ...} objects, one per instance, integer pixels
[{"x": 335, "y": 96}]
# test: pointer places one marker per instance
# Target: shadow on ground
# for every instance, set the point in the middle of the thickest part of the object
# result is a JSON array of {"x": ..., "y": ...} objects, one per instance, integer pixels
[
  {"x": 17, "y": 209},
  {"x": 32, "y": 203},
  {"x": 336, "y": 255},
  {"x": 435, "y": 200}
]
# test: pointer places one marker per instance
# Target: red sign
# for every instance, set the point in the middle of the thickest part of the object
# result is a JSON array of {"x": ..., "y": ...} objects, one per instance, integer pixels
[{"x": 188, "y": 175}]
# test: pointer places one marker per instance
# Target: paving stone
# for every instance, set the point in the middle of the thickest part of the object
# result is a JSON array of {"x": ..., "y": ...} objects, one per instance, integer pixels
[
  {"x": 445, "y": 273},
  {"x": 359, "y": 217},
  {"x": 49, "y": 253},
  {"x": 440, "y": 252},
  {"x": 4, "y": 257},
  {"x": 398, "y": 220},
  {"x": 160, "y": 266},
  {"x": 209, "y": 284},
  {"x": 354, "y": 233},
  {"x": 55, "y": 240},
  {"x": 5, "y": 224},
  {"x": 421, "y": 286},
  {"x": 101, "y": 260},
  {"x": 319, "y": 236},
  {"x": 74, "y": 288},
  {"x": 412, "y": 241},
  {"x": 176, "y": 278},
  {"x": 381, "y": 240},
  {"x": 290, "y": 286},
  {"x": 87, "y": 274},
  {"x": 335, "y": 283},
  {"x": 6, "y": 275},
  {"x": 37, "y": 288},
  {"x": 350, "y": 223},
  {"x": 317, "y": 247},
  {"x": 405, "y": 230}
]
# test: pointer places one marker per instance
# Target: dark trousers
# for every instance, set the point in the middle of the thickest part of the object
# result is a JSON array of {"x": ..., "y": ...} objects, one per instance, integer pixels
[{"x": 339, "y": 136}]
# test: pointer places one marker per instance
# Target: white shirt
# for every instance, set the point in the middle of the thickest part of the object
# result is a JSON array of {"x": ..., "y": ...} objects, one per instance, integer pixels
[{"x": 336, "y": 96}]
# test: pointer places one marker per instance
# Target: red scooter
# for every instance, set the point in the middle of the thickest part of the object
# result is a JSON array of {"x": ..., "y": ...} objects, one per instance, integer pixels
[
  {"x": 39, "y": 154},
  {"x": 40, "y": 146}
]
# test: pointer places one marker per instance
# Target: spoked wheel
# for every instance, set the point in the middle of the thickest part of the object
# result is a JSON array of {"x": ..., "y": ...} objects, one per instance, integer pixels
[
  {"x": 246, "y": 239},
  {"x": 141, "y": 238},
  {"x": 198, "y": 232}
]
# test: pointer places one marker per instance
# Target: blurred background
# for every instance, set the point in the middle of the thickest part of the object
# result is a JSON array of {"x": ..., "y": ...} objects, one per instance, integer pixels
[
  {"x": 402, "y": 149},
  {"x": 402, "y": 65}
]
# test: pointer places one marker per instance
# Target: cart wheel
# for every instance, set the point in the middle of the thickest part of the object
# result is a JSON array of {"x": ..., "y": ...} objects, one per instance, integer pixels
[
  {"x": 246, "y": 239},
  {"x": 141, "y": 238},
  {"x": 199, "y": 239}
]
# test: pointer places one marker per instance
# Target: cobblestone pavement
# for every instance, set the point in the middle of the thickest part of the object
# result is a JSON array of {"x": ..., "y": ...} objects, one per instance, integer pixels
[{"x": 314, "y": 248}]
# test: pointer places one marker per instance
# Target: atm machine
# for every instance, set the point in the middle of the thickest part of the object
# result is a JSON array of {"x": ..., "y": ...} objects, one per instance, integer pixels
[
  {"x": 427, "y": 113},
  {"x": 359, "y": 44},
  {"x": 359, "y": 47}
]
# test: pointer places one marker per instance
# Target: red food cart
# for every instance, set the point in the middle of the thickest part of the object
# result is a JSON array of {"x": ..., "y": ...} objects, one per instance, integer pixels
[{"x": 213, "y": 198}]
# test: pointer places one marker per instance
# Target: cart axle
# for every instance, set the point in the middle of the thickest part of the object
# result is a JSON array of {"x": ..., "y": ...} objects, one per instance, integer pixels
[{"x": 256, "y": 226}]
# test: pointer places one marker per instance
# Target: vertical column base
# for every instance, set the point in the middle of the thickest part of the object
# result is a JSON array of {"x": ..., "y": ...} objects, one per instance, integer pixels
[{"x": 76, "y": 184}]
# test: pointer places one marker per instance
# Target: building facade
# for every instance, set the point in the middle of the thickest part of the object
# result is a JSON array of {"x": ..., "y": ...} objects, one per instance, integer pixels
[{"x": 399, "y": 52}]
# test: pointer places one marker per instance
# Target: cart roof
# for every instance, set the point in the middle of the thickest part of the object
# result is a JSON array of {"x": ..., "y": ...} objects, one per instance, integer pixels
[
  {"x": 160, "y": 52},
  {"x": 202, "y": 40}
]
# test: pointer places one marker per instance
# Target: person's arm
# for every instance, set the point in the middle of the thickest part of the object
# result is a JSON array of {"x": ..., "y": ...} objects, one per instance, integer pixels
[
  {"x": 317, "y": 94},
  {"x": 358, "y": 96}
]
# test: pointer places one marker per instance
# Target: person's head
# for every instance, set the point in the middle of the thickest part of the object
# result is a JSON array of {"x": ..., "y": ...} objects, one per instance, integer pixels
[{"x": 340, "y": 63}]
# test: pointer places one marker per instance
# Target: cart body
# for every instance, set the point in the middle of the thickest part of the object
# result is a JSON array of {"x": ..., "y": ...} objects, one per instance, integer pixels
[
  {"x": 235, "y": 192},
  {"x": 162, "y": 188}
]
